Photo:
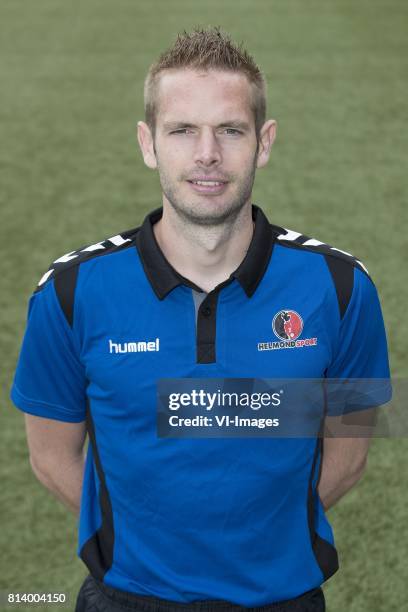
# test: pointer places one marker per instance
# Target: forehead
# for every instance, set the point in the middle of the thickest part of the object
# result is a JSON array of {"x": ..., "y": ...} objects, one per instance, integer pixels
[{"x": 201, "y": 96}]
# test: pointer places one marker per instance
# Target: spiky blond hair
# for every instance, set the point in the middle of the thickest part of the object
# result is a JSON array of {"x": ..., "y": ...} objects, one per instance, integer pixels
[{"x": 206, "y": 49}]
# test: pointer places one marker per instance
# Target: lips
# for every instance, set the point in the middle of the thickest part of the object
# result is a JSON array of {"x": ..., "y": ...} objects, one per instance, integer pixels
[
  {"x": 207, "y": 185},
  {"x": 207, "y": 180}
]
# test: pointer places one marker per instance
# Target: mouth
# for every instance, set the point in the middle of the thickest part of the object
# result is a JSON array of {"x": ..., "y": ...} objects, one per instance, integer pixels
[{"x": 208, "y": 186}]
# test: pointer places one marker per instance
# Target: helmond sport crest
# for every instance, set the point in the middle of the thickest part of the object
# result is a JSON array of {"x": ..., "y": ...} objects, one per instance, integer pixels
[{"x": 287, "y": 325}]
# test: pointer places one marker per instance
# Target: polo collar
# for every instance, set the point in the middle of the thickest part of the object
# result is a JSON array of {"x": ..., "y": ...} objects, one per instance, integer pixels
[{"x": 164, "y": 278}]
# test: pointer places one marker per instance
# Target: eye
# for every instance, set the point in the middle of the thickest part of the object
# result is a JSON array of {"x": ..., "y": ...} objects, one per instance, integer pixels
[
  {"x": 180, "y": 131},
  {"x": 233, "y": 130}
]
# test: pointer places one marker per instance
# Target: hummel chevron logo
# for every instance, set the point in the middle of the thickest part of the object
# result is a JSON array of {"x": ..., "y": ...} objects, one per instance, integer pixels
[
  {"x": 114, "y": 241},
  {"x": 302, "y": 240}
]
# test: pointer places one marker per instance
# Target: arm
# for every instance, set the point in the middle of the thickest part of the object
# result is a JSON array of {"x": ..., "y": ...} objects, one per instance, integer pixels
[
  {"x": 360, "y": 357},
  {"x": 57, "y": 456},
  {"x": 344, "y": 458}
]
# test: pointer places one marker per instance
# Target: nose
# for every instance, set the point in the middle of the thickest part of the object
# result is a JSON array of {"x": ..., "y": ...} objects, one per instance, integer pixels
[{"x": 207, "y": 151}]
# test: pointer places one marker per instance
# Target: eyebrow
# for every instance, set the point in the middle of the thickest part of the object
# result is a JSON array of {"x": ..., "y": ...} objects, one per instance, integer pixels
[{"x": 175, "y": 125}]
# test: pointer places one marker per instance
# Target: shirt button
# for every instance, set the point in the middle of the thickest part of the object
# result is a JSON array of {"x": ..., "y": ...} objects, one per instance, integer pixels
[{"x": 206, "y": 311}]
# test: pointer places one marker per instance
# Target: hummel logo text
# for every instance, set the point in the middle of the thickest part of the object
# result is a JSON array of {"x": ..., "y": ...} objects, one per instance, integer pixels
[{"x": 134, "y": 347}]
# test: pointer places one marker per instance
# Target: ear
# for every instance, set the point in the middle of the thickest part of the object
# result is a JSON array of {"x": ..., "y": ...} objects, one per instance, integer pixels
[
  {"x": 146, "y": 144},
  {"x": 266, "y": 139}
]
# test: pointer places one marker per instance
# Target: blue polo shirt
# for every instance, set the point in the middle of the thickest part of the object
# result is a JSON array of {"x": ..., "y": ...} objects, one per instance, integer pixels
[{"x": 236, "y": 519}]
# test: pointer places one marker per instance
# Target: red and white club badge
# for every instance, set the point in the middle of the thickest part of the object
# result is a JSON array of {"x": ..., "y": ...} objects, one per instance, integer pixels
[{"x": 287, "y": 324}]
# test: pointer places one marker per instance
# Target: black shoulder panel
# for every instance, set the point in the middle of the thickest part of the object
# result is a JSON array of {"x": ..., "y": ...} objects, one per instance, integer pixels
[
  {"x": 340, "y": 263},
  {"x": 64, "y": 270},
  {"x": 65, "y": 289},
  {"x": 343, "y": 278}
]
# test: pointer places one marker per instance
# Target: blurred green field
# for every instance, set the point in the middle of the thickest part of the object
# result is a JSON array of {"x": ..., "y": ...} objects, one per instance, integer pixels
[{"x": 71, "y": 77}]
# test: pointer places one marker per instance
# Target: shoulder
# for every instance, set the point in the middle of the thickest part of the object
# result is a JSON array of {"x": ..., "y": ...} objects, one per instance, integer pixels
[
  {"x": 63, "y": 271},
  {"x": 295, "y": 240},
  {"x": 345, "y": 270},
  {"x": 67, "y": 265}
]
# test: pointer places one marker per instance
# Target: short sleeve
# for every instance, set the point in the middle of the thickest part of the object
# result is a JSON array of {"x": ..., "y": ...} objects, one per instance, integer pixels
[
  {"x": 49, "y": 380},
  {"x": 361, "y": 354}
]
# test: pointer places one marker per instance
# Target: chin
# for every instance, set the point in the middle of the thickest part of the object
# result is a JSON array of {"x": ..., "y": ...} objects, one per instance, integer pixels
[{"x": 213, "y": 213}]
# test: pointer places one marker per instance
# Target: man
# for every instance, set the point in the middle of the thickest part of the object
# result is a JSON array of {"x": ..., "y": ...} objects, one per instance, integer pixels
[{"x": 205, "y": 289}]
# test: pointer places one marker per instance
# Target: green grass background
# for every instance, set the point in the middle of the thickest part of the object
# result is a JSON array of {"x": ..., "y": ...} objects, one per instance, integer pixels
[{"x": 71, "y": 174}]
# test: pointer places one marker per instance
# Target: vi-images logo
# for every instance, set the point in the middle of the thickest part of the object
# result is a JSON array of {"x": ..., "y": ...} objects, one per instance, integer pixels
[
  {"x": 287, "y": 325},
  {"x": 134, "y": 347}
]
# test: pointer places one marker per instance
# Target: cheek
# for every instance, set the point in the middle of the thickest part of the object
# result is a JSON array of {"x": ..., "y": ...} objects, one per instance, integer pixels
[
  {"x": 243, "y": 163},
  {"x": 234, "y": 153},
  {"x": 176, "y": 156}
]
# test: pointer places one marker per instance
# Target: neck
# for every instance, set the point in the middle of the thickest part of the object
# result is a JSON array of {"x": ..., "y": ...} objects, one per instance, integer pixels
[{"x": 205, "y": 255}]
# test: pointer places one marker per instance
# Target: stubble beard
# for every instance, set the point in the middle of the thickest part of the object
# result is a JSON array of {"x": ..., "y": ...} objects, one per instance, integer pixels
[{"x": 193, "y": 214}]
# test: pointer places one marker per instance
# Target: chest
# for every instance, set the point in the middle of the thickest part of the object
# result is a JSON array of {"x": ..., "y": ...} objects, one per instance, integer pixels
[{"x": 129, "y": 343}]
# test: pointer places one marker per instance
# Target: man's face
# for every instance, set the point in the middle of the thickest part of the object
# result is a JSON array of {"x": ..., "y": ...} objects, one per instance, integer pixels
[{"x": 205, "y": 131}]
